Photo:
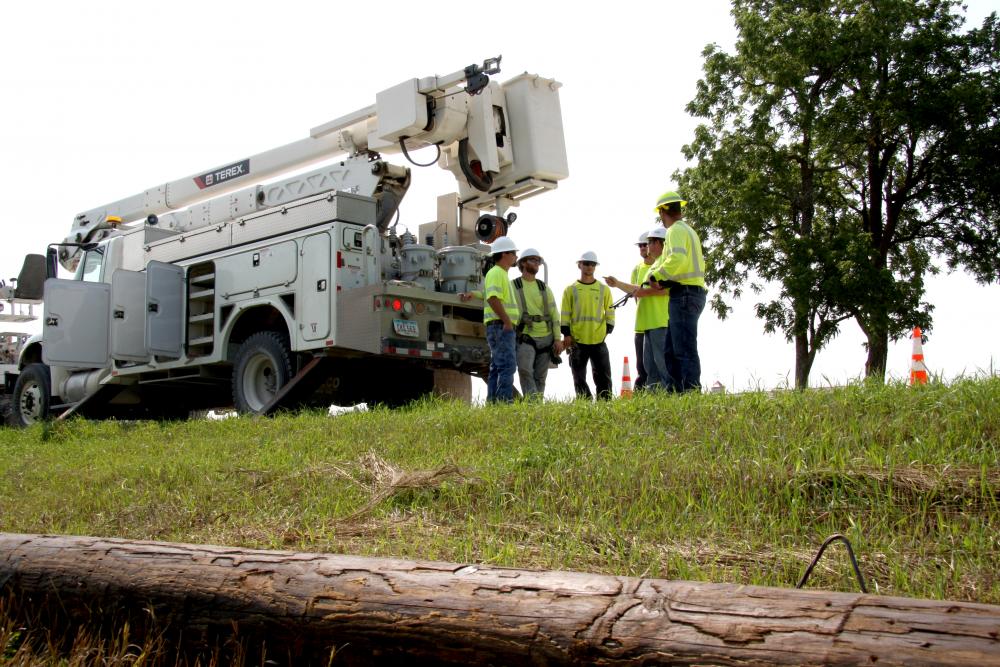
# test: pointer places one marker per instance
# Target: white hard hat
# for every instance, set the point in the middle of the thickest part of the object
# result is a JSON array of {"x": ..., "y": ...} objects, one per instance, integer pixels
[
  {"x": 529, "y": 252},
  {"x": 503, "y": 244},
  {"x": 589, "y": 256},
  {"x": 657, "y": 233},
  {"x": 642, "y": 238}
]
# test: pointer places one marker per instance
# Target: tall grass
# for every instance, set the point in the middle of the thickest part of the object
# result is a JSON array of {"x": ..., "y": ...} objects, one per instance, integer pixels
[{"x": 738, "y": 488}]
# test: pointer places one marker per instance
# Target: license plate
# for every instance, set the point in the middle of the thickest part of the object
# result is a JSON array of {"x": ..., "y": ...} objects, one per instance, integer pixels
[{"x": 406, "y": 328}]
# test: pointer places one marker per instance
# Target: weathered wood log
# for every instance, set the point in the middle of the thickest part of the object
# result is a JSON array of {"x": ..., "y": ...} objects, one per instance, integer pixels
[{"x": 393, "y": 610}]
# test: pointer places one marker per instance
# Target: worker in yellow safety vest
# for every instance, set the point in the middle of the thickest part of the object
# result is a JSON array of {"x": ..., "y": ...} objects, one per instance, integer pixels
[
  {"x": 639, "y": 272},
  {"x": 586, "y": 319},
  {"x": 500, "y": 315},
  {"x": 537, "y": 345},
  {"x": 681, "y": 269},
  {"x": 652, "y": 315}
]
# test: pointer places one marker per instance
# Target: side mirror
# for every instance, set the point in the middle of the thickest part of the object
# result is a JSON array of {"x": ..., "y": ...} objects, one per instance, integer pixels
[{"x": 51, "y": 262}]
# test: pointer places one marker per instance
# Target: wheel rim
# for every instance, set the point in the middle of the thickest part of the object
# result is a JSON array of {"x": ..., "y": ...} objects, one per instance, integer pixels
[
  {"x": 260, "y": 381},
  {"x": 30, "y": 402}
]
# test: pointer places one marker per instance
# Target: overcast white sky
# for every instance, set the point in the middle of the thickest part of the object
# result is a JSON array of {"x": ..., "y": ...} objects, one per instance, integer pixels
[{"x": 102, "y": 100}]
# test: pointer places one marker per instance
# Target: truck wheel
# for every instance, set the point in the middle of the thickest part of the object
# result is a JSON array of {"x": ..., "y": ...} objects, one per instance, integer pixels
[
  {"x": 263, "y": 366},
  {"x": 31, "y": 395}
]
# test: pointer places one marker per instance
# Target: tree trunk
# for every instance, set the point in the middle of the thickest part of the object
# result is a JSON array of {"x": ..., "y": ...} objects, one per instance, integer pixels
[
  {"x": 803, "y": 356},
  {"x": 878, "y": 354},
  {"x": 803, "y": 360},
  {"x": 382, "y": 610}
]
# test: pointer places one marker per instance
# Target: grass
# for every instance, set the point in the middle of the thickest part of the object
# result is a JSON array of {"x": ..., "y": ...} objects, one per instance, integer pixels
[{"x": 736, "y": 488}]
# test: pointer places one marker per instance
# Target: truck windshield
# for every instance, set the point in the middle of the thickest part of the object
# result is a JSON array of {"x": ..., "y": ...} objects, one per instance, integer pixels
[{"x": 90, "y": 267}]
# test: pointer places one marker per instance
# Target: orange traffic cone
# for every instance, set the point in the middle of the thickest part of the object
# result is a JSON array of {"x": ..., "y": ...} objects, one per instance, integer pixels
[
  {"x": 918, "y": 370},
  {"x": 626, "y": 381}
]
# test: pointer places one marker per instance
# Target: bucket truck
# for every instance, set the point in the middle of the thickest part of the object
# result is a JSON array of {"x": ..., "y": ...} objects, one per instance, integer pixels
[{"x": 224, "y": 288}]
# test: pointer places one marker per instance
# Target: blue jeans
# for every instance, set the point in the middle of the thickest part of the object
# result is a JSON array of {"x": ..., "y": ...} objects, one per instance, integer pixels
[
  {"x": 655, "y": 360},
  {"x": 681, "y": 349},
  {"x": 503, "y": 364}
]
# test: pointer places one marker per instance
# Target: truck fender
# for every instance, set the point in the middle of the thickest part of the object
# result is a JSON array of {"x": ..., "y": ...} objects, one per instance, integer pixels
[
  {"x": 31, "y": 352},
  {"x": 243, "y": 310}
]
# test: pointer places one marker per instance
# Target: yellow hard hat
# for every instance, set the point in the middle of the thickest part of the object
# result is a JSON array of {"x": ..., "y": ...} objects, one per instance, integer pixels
[{"x": 669, "y": 197}]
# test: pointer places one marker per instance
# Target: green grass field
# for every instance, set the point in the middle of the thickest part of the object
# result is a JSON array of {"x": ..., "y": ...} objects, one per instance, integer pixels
[{"x": 738, "y": 488}]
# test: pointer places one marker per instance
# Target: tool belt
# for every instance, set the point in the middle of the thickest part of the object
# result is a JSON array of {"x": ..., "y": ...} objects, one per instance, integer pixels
[
  {"x": 537, "y": 343},
  {"x": 525, "y": 319},
  {"x": 678, "y": 288},
  {"x": 546, "y": 344}
]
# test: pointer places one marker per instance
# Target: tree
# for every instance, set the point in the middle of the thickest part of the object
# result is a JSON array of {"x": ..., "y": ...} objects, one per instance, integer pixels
[
  {"x": 917, "y": 129},
  {"x": 827, "y": 111},
  {"x": 764, "y": 187}
]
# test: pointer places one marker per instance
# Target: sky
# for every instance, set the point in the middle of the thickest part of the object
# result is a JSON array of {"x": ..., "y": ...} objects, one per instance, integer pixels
[{"x": 102, "y": 100}]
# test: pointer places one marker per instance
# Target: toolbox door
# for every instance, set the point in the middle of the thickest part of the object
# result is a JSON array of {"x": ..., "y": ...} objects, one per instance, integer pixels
[
  {"x": 164, "y": 309},
  {"x": 316, "y": 260},
  {"x": 75, "y": 326},
  {"x": 128, "y": 316}
]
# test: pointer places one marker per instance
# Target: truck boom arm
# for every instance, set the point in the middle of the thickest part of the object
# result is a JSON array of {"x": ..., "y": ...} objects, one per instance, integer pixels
[{"x": 502, "y": 143}]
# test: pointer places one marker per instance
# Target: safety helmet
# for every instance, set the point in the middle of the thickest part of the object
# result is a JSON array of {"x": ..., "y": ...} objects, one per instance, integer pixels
[
  {"x": 530, "y": 252},
  {"x": 589, "y": 256},
  {"x": 668, "y": 197},
  {"x": 642, "y": 238},
  {"x": 657, "y": 233},
  {"x": 503, "y": 244}
]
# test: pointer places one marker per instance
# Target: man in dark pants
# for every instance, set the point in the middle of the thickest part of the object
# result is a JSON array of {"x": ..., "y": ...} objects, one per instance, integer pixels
[
  {"x": 681, "y": 269},
  {"x": 651, "y": 316},
  {"x": 586, "y": 319},
  {"x": 637, "y": 278}
]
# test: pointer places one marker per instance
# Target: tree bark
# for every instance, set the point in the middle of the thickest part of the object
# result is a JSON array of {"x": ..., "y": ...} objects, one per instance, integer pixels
[
  {"x": 383, "y": 610},
  {"x": 878, "y": 354},
  {"x": 803, "y": 361}
]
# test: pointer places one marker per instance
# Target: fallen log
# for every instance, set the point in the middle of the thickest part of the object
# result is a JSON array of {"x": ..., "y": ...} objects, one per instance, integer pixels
[{"x": 384, "y": 610}]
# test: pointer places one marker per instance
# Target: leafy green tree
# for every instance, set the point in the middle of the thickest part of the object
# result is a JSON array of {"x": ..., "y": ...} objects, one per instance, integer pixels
[
  {"x": 765, "y": 187},
  {"x": 844, "y": 147},
  {"x": 917, "y": 132}
]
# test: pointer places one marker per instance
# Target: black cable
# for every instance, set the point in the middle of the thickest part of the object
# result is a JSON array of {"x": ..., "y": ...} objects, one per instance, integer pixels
[
  {"x": 819, "y": 554},
  {"x": 406, "y": 154},
  {"x": 480, "y": 182}
]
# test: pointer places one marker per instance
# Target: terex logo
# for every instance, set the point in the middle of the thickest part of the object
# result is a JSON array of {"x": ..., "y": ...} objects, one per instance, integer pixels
[{"x": 222, "y": 175}]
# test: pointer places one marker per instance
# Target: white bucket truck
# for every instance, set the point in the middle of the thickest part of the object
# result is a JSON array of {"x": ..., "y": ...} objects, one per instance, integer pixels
[{"x": 223, "y": 289}]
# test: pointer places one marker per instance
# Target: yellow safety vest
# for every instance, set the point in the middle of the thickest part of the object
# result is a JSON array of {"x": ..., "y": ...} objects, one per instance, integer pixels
[
  {"x": 682, "y": 260},
  {"x": 586, "y": 310},
  {"x": 499, "y": 286},
  {"x": 537, "y": 306}
]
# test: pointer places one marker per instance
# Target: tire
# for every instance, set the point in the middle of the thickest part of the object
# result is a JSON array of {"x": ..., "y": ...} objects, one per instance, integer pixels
[
  {"x": 32, "y": 393},
  {"x": 263, "y": 366}
]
